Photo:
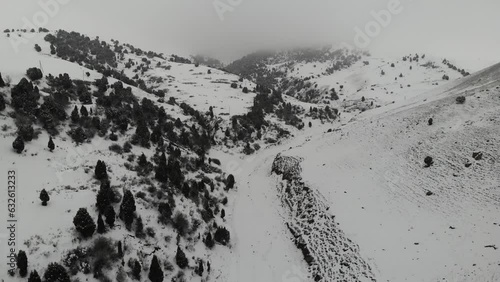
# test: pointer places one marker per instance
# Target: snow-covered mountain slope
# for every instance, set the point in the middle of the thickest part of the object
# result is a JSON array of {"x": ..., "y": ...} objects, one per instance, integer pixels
[
  {"x": 417, "y": 223},
  {"x": 47, "y": 233},
  {"x": 347, "y": 79},
  {"x": 362, "y": 186}
]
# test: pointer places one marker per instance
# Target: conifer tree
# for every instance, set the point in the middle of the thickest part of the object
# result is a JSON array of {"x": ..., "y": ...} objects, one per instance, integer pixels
[
  {"x": 230, "y": 182},
  {"x": 84, "y": 223},
  {"x": 120, "y": 249},
  {"x": 51, "y": 145},
  {"x": 222, "y": 213},
  {"x": 155, "y": 272},
  {"x": 142, "y": 134},
  {"x": 209, "y": 241},
  {"x": 127, "y": 208},
  {"x": 22, "y": 263},
  {"x": 139, "y": 228},
  {"x": 110, "y": 215},
  {"x": 34, "y": 277},
  {"x": 56, "y": 273},
  {"x": 100, "y": 170},
  {"x": 136, "y": 270},
  {"x": 75, "y": 116},
  {"x": 104, "y": 197},
  {"x": 180, "y": 258},
  {"x": 101, "y": 228},
  {"x": 162, "y": 169},
  {"x": 44, "y": 197},
  {"x": 18, "y": 145},
  {"x": 84, "y": 112}
]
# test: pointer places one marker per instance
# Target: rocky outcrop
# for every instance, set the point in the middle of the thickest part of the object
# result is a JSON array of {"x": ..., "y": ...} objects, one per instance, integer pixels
[{"x": 331, "y": 256}]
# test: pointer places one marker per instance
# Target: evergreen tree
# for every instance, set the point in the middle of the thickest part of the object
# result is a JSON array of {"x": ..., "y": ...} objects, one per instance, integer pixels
[
  {"x": 162, "y": 169},
  {"x": 127, "y": 208},
  {"x": 18, "y": 144},
  {"x": 120, "y": 249},
  {"x": 84, "y": 112},
  {"x": 2, "y": 83},
  {"x": 100, "y": 170},
  {"x": 75, "y": 116},
  {"x": 142, "y": 160},
  {"x": 230, "y": 182},
  {"x": 51, "y": 144},
  {"x": 222, "y": 213},
  {"x": 2, "y": 103},
  {"x": 156, "y": 134},
  {"x": 178, "y": 123},
  {"x": 34, "y": 277},
  {"x": 142, "y": 134},
  {"x": 110, "y": 216},
  {"x": 101, "y": 228},
  {"x": 165, "y": 212},
  {"x": 22, "y": 263},
  {"x": 199, "y": 269},
  {"x": 180, "y": 258},
  {"x": 174, "y": 172},
  {"x": 136, "y": 270},
  {"x": 222, "y": 235},
  {"x": 84, "y": 223},
  {"x": 56, "y": 273},
  {"x": 139, "y": 228},
  {"x": 155, "y": 272},
  {"x": 209, "y": 241},
  {"x": 104, "y": 197},
  {"x": 44, "y": 197}
]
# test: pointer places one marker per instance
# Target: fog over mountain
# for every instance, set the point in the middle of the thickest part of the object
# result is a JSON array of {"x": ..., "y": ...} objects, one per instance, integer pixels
[{"x": 463, "y": 30}]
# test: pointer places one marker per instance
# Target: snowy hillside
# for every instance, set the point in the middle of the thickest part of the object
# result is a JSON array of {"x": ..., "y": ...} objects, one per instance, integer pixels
[{"x": 307, "y": 165}]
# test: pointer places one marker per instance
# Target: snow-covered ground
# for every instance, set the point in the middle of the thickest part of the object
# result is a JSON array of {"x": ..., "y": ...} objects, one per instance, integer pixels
[{"x": 369, "y": 170}]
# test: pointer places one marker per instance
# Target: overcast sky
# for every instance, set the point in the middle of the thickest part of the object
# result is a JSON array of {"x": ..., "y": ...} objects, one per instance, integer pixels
[{"x": 463, "y": 30}]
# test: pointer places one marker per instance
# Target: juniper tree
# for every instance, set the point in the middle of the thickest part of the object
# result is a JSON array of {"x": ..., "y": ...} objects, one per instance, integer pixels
[
  {"x": 84, "y": 223},
  {"x": 104, "y": 197},
  {"x": 180, "y": 258},
  {"x": 2, "y": 103},
  {"x": 51, "y": 145},
  {"x": 142, "y": 134},
  {"x": 209, "y": 241},
  {"x": 75, "y": 116},
  {"x": 139, "y": 228},
  {"x": 56, "y": 273},
  {"x": 34, "y": 277},
  {"x": 136, "y": 270},
  {"x": 162, "y": 169},
  {"x": 100, "y": 170},
  {"x": 127, "y": 208},
  {"x": 44, "y": 197},
  {"x": 84, "y": 112},
  {"x": 199, "y": 269},
  {"x": 230, "y": 182},
  {"x": 120, "y": 249},
  {"x": 22, "y": 263},
  {"x": 222, "y": 235},
  {"x": 110, "y": 215},
  {"x": 155, "y": 272},
  {"x": 101, "y": 228},
  {"x": 18, "y": 145}
]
